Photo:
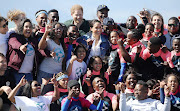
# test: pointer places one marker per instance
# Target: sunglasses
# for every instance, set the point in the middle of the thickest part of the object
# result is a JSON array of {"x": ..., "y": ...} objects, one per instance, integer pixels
[
  {"x": 170, "y": 25},
  {"x": 4, "y": 26},
  {"x": 36, "y": 85}
]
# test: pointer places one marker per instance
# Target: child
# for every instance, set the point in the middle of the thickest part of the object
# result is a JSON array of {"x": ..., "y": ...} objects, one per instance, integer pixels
[
  {"x": 172, "y": 82},
  {"x": 74, "y": 102},
  {"x": 70, "y": 40},
  {"x": 4, "y": 35},
  {"x": 154, "y": 58},
  {"x": 76, "y": 67},
  {"x": 95, "y": 67},
  {"x": 110, "y": 99},
  {"x": 95, "y": 42},
  {"x": 173, "y": 58},
  {"x": 149, "y": 29}
]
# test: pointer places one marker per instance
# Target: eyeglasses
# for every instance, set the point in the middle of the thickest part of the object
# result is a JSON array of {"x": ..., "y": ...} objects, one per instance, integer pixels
[
  {"x": 4, "y": 26},
  {"x": 170, "y": 25}
]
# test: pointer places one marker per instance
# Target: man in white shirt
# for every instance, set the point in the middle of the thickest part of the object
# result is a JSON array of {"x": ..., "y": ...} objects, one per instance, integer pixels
[{"x": 142, "y": 102}]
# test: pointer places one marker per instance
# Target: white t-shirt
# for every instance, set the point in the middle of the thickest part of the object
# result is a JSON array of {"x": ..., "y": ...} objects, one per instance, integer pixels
[
  {"x": 27, "y": 65},
  {"x": 39, "y": 103},
  {"x": 3, "y": 43},
  {"x": 95, "y": 50},
  {"x": 78, "y": 69},
  {"x": 53, "y": 64},
  {"x": 143, "y": 105}
]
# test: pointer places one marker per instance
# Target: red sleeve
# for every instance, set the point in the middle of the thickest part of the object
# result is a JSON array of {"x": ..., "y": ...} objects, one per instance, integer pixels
[
  {"x": 14, "y": 43},
  {"x": 84, "y": 102}
]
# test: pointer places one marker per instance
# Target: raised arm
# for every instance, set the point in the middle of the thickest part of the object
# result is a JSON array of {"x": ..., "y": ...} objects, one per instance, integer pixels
[
  {"x": 70, "y": 65},
  {"x": 14, "y": 91},
  {"x": 56, "y": 91},
  {"x": 42, "y": 43}
]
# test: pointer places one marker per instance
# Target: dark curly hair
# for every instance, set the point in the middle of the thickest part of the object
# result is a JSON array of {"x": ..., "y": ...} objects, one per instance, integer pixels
[{"x": 21, "y": 26}]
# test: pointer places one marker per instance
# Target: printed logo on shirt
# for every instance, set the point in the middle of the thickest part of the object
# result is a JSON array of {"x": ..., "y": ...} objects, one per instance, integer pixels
[
  {"x": 7, "y": 83},
  {"x": 79, "y": 72},
  {"x": 30, "y": 50},
  {"x": 176, "y": 62},
  {"x": 75, "y": 108},
  {"x": 111, "y": 58},
  {"x": 41, "y": 106},
  {"x": 59, "y": 55}
]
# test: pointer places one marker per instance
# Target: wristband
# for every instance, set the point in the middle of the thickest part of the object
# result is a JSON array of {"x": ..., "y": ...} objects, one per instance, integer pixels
[{"x": 117, "y": 91}]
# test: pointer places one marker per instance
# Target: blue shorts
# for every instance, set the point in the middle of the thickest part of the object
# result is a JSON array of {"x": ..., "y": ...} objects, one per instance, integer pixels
[{"x": 42, "y": 74}]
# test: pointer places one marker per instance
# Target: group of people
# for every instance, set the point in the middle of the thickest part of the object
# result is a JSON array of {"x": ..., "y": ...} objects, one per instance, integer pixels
[{"x": 89, "y": 64}]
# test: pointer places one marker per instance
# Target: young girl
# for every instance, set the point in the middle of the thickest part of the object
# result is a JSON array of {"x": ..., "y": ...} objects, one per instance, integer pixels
[
  {"x": 172, "y": 81},
  {"x": 31, "y": 98},
  {"x": 95, "y": 42},
  {"x": 173, "y": 58},
  {"x": 95, "y": 67},
  {"x": 76, "y": 67},
  {"x": 53, "y": 41},
  {"x": 16, "y": 16},
  {"x": 149, "y": 29}
]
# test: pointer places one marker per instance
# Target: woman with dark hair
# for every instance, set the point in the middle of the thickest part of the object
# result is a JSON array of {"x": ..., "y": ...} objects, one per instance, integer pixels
[
  {"x": 31, "y": 99},
  {"x": 23, "y": 54},
  {"x": 52, "y": 40}
]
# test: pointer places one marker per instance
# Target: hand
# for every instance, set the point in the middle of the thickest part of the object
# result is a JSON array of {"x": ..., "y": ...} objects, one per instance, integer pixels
[
  {"x": 117, "y": 86},
  {"x": 23, "y": 81},
  {"x": 6, "y": 89},
  {"x": 73, "y": 58},
  {"x": 166, "y": 91},
  {"x": 162, "y": 84},
  {"x": 144, "y": 13},
  {"x": 89, "y": 74},
  {"x": 89, "y": 41},
  {"x": 139, "y": 48},
  {"x": 23, "y": 48},
  {"x": 70, "y": 93},
  {"x": 122, "y": 87},
  {"x": 101, "y": 92},
  {"x": 53, "y": 54},
  {"x": 53, "y": 80},
  {"x": 48, "y": 28},
  {"x": 109, "y": 71},
  {"x": 120, "y": 42}
]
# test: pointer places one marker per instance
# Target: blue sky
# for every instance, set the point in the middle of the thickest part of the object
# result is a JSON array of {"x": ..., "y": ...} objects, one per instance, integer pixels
[{"x": 119, "y": 9}]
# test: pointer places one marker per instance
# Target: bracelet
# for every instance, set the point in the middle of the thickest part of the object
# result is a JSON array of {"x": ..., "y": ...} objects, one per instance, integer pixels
[
  {"x": 56, "y": 86},
  {"x": 117, "y": 91}
]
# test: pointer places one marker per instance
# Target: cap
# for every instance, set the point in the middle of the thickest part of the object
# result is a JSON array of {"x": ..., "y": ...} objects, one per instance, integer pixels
[
  {"x": 72, "y": 83},
  {"x": 100, "y": 7},
  {"x": 108, "y": 21}
]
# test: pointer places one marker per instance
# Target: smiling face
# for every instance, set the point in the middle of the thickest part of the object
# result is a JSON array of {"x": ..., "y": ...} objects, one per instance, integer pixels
[
  {"x": 176, "y": 45},
  {"x": 114, "y": 37},
  {"x": 130, "y": 40},
  {"x": 131, "y": 81},
  {"x": 149, "y": 29},
  {"x": 96, "y": 29},
  {"x": 157, "y": 21},
  {"x": 73, "y": 32},
  {"x": 81, "y": 53},
  {"x": 63, "y": 83},
  {"x": 97, "y": 64},
  {"x": 173, "y": 83},
  {"x": 27, "y": 29},
  {"x": 36, "y": 89},
  {"x": 76, "y": 90},
  {"x": 98, "y": 83},
  {"x": 58, "y": 30},
  {"x": 173, "y": 27},
  {"x": 20, "y": 18},
  {"x": 77, "y": 16},
  {"x": 102, "y": 14},
  {"x": 42, "y": 19},
  {"x": 3, "y": 27}
]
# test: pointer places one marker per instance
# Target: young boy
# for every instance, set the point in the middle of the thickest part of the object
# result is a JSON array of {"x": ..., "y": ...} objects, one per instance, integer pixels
[
  {"x": 74, "y": 102},
  {"x": 102, "y": 12}
]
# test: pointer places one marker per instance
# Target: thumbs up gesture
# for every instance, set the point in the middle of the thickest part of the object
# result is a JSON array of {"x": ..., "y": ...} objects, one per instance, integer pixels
[{"x": 23, "y": 48}]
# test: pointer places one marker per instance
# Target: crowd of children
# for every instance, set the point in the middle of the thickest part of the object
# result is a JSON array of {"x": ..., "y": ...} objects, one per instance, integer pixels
[{"x": 84, "y": 65}]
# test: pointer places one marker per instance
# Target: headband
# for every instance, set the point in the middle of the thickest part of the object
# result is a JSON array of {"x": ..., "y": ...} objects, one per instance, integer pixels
[
  {"x": 41, "y": 13},
  {"x": 62, "y": 77}
]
